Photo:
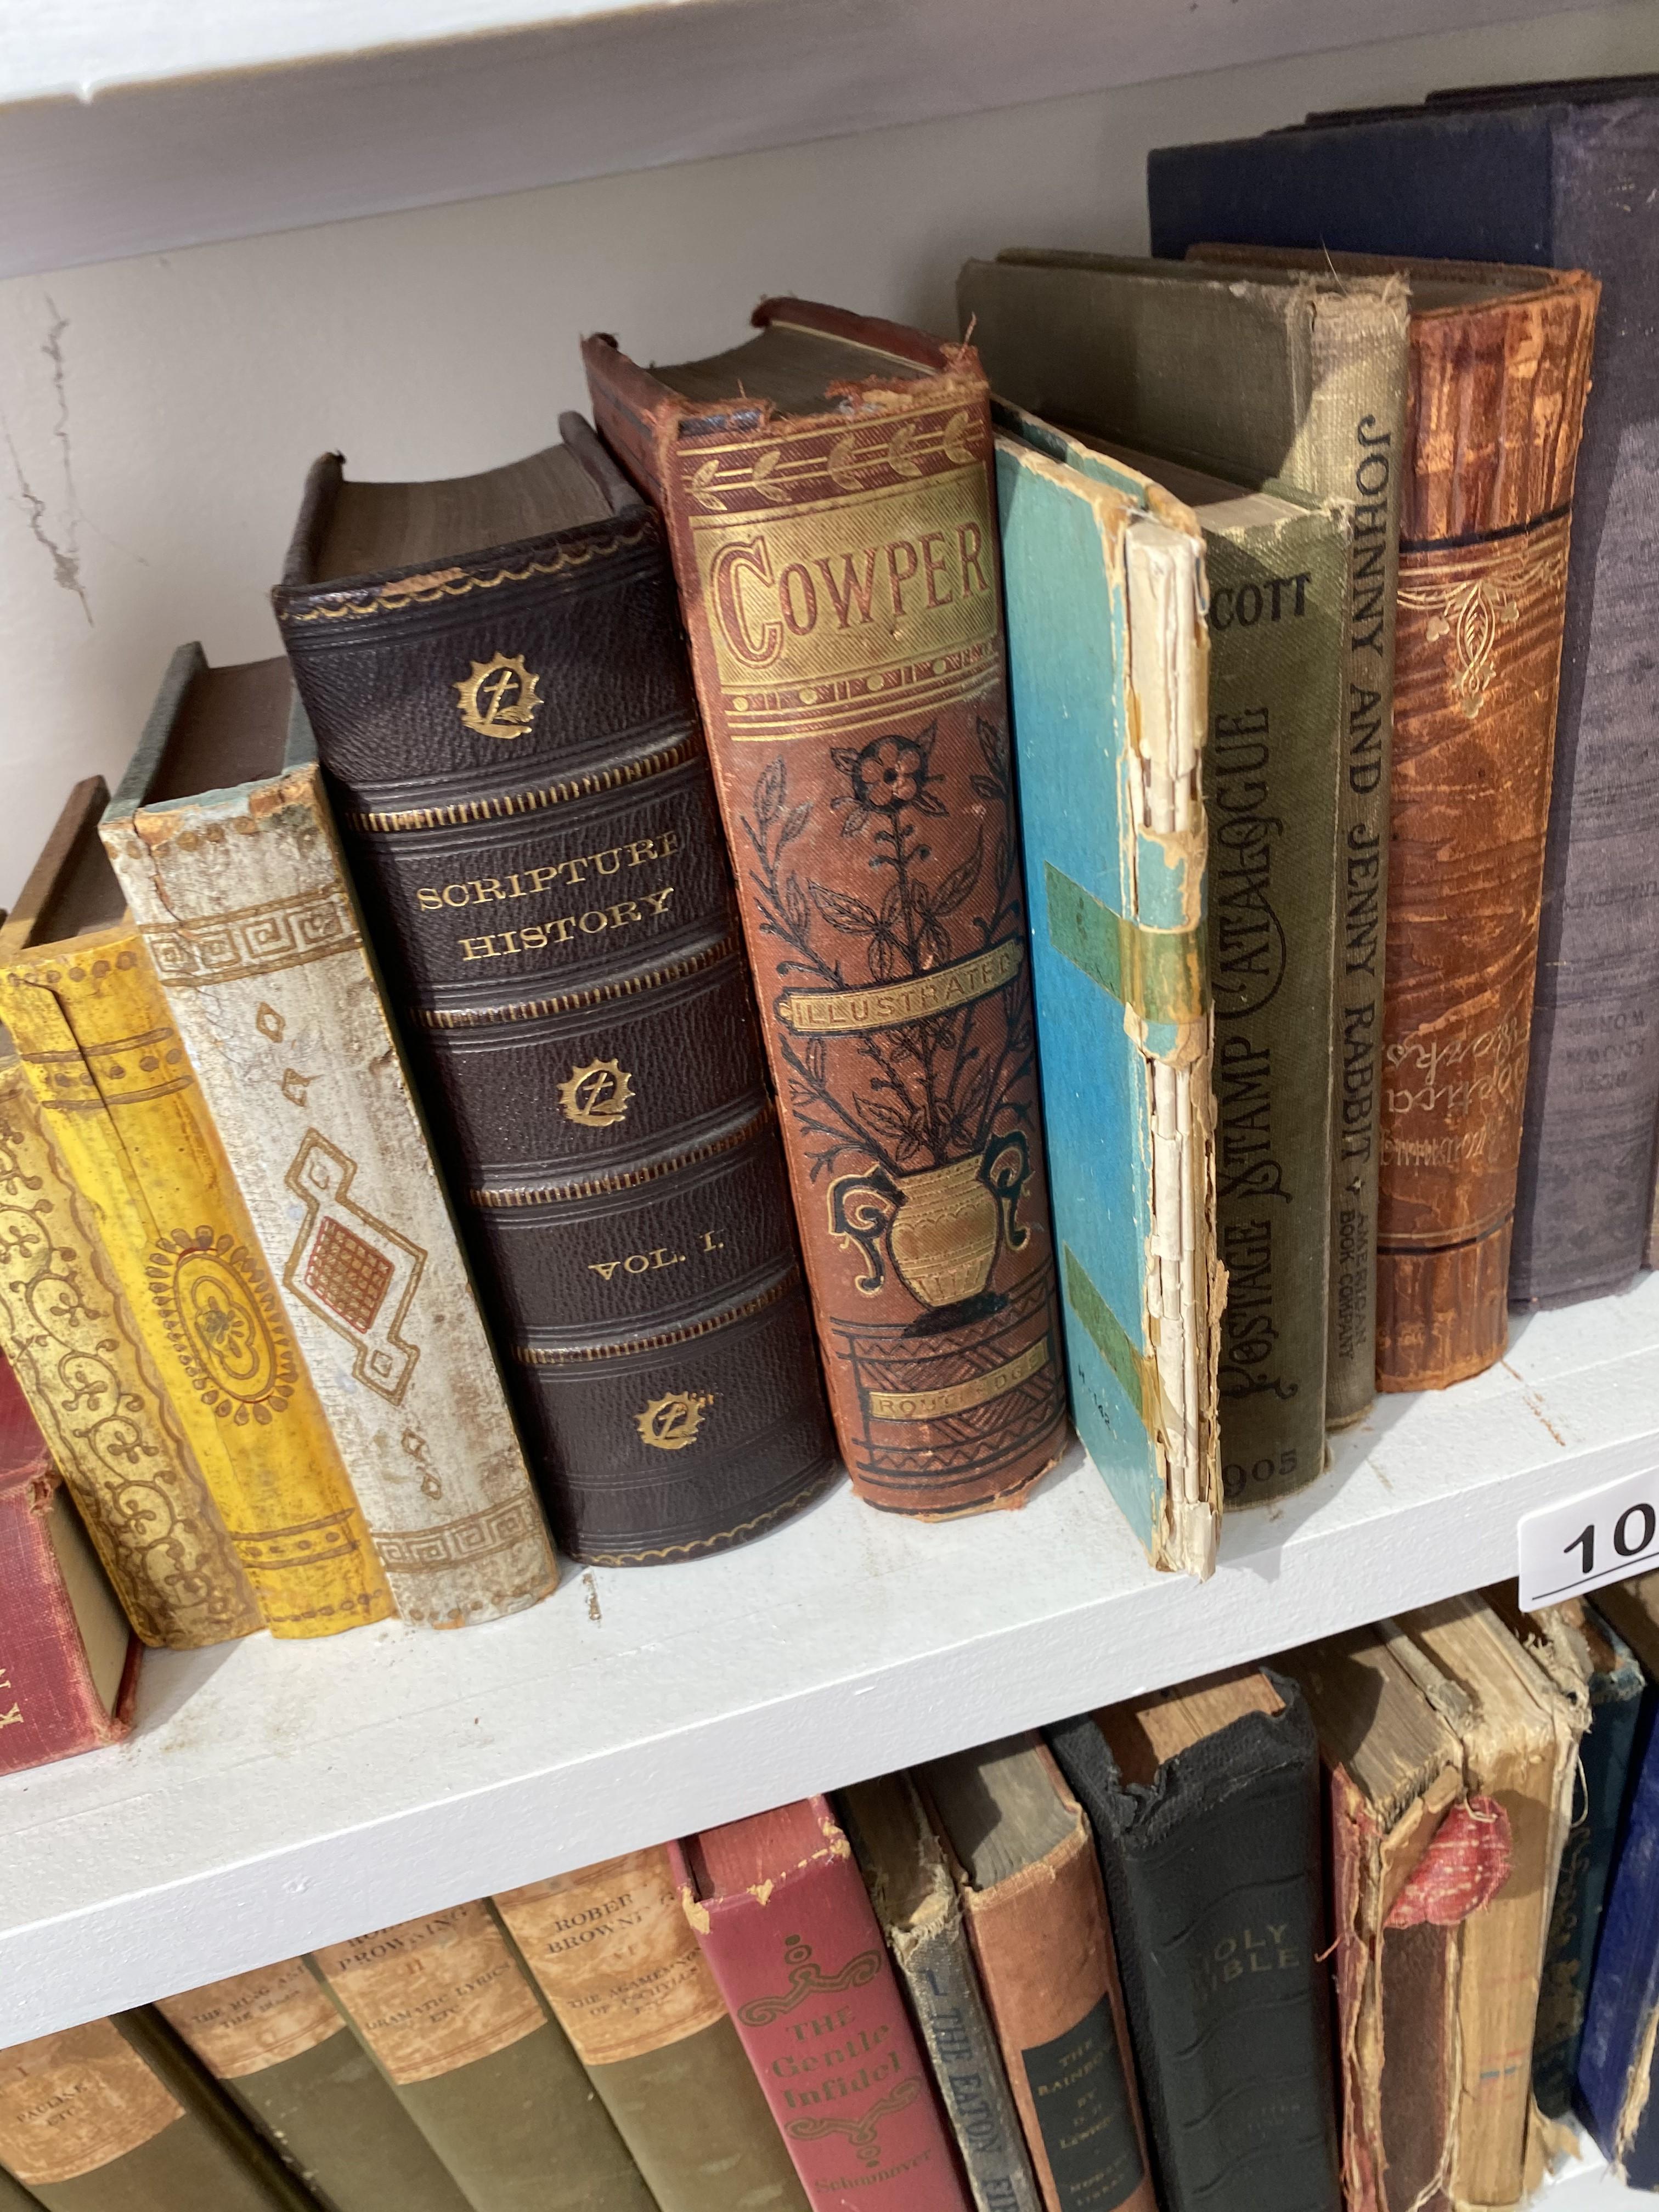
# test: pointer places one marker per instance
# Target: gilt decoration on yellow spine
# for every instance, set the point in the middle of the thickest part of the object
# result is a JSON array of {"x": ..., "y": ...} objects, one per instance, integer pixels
[
  {"x": 121, "y": 1105},
  {"x": 80, "y": 1361}
]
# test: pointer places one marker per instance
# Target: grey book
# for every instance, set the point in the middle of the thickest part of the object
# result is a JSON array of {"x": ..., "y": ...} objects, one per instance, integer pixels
[
  {"x": 914, "y": 1899},
  {"x": 1299, "y": 388}
]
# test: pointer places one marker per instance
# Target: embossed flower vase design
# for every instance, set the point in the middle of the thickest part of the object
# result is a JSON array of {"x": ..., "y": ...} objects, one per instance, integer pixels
[{"x": 942, "y": 1229}]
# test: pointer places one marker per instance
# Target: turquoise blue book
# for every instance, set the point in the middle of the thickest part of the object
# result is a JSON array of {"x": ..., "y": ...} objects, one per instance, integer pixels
[{"x": 1108, "y": 657}]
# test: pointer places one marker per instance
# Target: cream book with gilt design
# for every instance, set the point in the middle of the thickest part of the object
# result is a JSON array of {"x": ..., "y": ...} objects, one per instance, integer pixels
[
  {"x": 123, "y": 1111},
  {"x": 222, "y": 837}
]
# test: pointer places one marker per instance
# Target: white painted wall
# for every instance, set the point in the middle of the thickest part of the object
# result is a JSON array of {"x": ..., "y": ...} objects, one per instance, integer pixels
[{"x": 157, "y": 415}]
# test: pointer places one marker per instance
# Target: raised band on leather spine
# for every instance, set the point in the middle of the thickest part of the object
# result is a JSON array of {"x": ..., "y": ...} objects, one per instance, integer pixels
[
  {"x": 1442, "y": 1314},
  {"x": 566, "y": 1002},
  {"x": 549, "y": 1194},
  {"x": 529, "y": 802},
  {"x": 531, "y": 1355}
]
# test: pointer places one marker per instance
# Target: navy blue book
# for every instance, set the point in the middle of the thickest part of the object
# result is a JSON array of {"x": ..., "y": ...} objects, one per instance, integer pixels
[
  {"x": 1616, "y": 2061},
  {"x": 1561, "y": 176},
  {"x": 1582, "y": 1653}
]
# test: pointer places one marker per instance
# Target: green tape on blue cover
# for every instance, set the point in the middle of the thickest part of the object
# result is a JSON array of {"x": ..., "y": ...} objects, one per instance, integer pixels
[
  {"x": 1157, "y": 973},
  {"x": 1135, "y": 1368}
]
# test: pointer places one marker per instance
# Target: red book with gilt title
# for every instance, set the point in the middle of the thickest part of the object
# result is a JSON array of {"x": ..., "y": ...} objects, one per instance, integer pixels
[
  {"x": 828, "y": 494},
  {"x": 781, "y": 1910},
  {"x": 68, "y": 1660}
]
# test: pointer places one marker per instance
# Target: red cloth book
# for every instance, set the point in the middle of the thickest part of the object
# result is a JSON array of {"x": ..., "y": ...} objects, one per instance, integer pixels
[
  {"x": 780, "y": 1908},
  {"x": 68, "y": 1660}
]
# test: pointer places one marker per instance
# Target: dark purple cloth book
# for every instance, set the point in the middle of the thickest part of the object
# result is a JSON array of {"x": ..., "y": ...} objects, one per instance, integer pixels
[{"x": 1563, "y": 176}]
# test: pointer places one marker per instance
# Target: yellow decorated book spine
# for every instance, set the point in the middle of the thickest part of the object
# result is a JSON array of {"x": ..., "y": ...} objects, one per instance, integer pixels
[
  {"x": 122, "y": 1107},
  {"x": 74, "y": 1345}
]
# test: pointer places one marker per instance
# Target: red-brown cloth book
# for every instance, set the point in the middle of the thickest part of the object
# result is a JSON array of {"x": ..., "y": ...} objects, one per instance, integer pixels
[
  {"x": 68, "y": 1660},
  {"x": 827, "y": 488},
  {"x": 780, "y": 1908}
]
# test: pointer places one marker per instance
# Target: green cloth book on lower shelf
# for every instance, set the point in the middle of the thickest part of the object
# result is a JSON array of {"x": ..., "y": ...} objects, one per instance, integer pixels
[
  {"x": 613, "y": 1954},
  {"x": 113, "y": 2118},
  {"x": 484, "y": 2073},
  {"x": 284, "y": 2055}
]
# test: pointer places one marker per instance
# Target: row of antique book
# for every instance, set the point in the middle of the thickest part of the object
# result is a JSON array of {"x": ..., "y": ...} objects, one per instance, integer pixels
[
  {"x": 475, "y": 926},
  {"x": 1111, "y": 1968}
]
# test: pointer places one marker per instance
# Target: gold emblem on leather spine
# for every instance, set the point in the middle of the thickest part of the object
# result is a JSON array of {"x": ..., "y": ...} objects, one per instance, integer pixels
[
  {"x": 500, "y": 697},
  {"x": 598, "y": 1096},
  {"x": 670, "y": 1424}
]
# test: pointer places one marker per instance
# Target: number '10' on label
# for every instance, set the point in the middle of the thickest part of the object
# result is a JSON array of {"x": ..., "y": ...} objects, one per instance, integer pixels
[{"x": 1599, "y": 1536}]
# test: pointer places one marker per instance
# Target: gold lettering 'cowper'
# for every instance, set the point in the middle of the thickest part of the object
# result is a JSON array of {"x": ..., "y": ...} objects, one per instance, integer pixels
[{"x": 580, "y": 869}]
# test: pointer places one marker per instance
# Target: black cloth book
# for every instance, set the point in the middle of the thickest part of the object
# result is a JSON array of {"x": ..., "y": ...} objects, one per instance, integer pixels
[
  {"x": 1564, "y": 176},
  {"x": 1206, "y": 1808}
]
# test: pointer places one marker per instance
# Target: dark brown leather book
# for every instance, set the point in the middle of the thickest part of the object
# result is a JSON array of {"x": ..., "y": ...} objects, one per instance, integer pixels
[
  {"x": 1500, "y": 372},
  {"x": 496, "y": 674},
  {"x": 829, "y": 503}
]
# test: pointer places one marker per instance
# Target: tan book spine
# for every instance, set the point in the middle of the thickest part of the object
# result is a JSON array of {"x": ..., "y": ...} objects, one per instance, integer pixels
[
  {"x": 1043, "y": 1947},
  {"x": 92, "y": 1384},
  {"x": 284, "y": 2056},
  {"x": 112, "y": 2117},
  {"x": 1520, "y": 1734},
  {"x": 458, "y": 2028},
  {"x": 613, "y": 1954},
  {"x": 241, "y": 898},
  {"x": 116, "y": 1090}
]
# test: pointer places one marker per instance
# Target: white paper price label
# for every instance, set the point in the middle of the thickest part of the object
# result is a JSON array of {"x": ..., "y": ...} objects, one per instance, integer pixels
[{"x": 1600, "y": 1536}]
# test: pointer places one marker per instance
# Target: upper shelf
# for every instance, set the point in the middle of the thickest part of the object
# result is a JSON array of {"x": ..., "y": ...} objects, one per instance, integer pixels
[
  {"x": 129, "y": 126},
  {"x": 276, "y": 1795}
]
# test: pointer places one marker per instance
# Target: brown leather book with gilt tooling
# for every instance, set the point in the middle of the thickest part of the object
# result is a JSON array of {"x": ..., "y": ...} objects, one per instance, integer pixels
[
  {"x": 494, "y": 672},
  {"x": 829, "y": 504},
  {"x": 1500, "y": 371}
]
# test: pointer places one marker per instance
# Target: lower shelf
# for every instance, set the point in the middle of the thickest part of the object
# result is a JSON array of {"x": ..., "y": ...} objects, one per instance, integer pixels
[
  {"x": 276, "y": 1795},
  {"x": 1587, "y": 2184}
]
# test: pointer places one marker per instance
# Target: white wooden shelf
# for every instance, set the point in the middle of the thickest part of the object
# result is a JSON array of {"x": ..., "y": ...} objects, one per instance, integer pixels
[
  {"x": 129, "y": 126},
  {"x": 1586, "y": 2184},
  {"x": 278, "y": 1795}
]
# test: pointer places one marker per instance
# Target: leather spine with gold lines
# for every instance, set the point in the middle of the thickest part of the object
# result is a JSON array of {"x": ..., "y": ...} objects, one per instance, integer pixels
[{"x": 555, "y": 915}]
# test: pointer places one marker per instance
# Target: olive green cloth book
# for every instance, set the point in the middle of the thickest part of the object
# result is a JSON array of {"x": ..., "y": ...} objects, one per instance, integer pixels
[
  {"x": 480, "y": 2066},
  {"x": 1297, "y": 386},
  {"x": 614, "y": 1955},
  {"x": 113, "y": 2118},
  {"x": 1277, "y": 573},
  {"x": 285, "y": 2056}
]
